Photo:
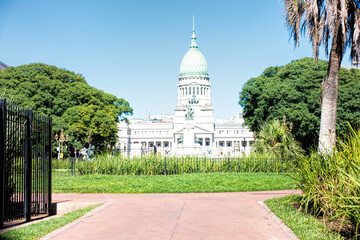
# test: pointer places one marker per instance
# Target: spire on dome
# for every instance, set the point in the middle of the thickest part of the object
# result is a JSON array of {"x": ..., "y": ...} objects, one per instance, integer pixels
[{"x": 193, "y": 37}]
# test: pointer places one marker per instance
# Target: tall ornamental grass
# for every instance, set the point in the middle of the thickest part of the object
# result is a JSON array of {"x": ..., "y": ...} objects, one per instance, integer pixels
[
  {"x": 161, "y": 165},
  {"x": 331, "y": 183}
]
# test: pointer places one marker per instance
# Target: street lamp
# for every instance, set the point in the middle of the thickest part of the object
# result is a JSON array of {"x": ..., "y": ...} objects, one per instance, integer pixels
[
  {"x": 58, "y": 148},
  {"x": 88, "y": 152},
  {"x": 291, "y": 125},
  {"x": 89, "y": 137},
  {"x": 284, "y": 119},
  {"x": 244, "y": 144},
  {"x": 61, "y": 141}
]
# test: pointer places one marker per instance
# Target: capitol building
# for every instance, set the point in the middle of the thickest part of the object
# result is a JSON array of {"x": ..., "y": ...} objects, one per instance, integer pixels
[{"x": 191, "y": 130}]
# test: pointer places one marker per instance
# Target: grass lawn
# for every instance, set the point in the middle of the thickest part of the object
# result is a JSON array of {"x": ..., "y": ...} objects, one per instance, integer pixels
[
  {"x": 182, "y": 183},
  {"x": 40, "y": 229},
  {"x": 303, "y": 225}
]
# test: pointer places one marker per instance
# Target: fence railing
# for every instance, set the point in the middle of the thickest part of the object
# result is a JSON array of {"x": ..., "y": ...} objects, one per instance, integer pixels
[
  {"x": 25, "y": 163},
  {"x": 153, "y": 165}
]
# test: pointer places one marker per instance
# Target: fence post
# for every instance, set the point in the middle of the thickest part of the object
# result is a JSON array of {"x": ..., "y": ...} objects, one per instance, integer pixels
[
  {"x": 165, "y": 165},
  {"x": 2, "y": 157},
  {"x": 28, "y": 163},
  {"x": 50, "y": 209},
  {"x": 72, "y": 166},
  {"x": 228, "y": 164}
]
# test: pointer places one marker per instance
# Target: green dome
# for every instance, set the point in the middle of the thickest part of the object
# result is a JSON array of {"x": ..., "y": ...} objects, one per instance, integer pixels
[{"x": 193, "y": 63}]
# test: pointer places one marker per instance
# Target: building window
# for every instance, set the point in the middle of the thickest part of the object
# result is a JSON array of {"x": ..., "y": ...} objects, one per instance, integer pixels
[
  {"x": 207, "y": 142},
  {"x": 197, "y": 90},
  {"x": 190, "y": 91},
  {"x": 228, "y": 144}
]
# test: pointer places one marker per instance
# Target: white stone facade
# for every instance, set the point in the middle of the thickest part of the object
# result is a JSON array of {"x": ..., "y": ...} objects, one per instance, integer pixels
[{"x": 192, "y": 129}]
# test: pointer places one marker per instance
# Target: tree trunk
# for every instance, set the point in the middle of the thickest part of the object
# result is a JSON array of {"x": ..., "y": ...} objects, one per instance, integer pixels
[{"x": 327, "y": 136}]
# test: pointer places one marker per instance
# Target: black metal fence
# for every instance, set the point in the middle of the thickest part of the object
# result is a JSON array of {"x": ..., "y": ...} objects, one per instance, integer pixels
[
  {"x": 25, "y": 163},
  {"x": 154, "y": 165}
]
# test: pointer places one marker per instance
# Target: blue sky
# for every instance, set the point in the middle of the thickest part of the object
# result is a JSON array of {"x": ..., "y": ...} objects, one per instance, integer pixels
[{"x": 133, "y": 49}]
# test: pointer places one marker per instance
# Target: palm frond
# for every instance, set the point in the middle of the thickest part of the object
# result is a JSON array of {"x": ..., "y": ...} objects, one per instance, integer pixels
[{"x": 320, "y": 19}]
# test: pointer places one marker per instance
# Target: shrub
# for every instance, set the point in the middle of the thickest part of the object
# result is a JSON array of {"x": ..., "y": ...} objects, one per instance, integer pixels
[{"x": 331, "y": 183}]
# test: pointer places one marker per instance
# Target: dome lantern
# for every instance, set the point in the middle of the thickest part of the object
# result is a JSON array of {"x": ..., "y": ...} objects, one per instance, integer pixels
[{"x": 193, "y": 64}]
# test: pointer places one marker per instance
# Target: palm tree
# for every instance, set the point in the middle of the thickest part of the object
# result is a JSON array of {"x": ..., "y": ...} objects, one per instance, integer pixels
[
  {"x": 334, "y": 23},
  {"x": 275, "y": 139}
]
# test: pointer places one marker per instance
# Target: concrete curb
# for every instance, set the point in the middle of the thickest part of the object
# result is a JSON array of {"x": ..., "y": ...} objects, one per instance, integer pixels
[
  {"x": 280, "y": 222},
  {"x": 79, "y": 220}
]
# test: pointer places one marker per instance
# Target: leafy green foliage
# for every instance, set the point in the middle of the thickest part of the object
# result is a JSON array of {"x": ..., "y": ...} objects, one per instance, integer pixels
[
  {"x": 294, "y": 90},
  {"x": 68, "y": 99},
  {"x": 331, "y": 183},
  {"x": 276, "y": 140}
]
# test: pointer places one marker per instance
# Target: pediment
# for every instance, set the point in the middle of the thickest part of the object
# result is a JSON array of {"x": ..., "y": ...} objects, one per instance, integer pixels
[{"x": 196, "y": 129}]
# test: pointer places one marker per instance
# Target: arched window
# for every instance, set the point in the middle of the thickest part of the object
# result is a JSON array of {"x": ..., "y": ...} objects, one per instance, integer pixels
[{"x": 201, "y": 91}]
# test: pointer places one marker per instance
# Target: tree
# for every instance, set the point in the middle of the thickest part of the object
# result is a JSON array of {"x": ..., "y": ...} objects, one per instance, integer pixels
[
  {"x": 68, "y": 99},
  {"x": 327, "y": 22},
  {"x": 276, "y": 139},
  {"x": 99, "y": 120},
  {"x": 294, "y": 90}
]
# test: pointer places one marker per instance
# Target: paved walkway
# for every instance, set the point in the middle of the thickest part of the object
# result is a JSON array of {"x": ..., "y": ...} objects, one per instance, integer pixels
[{"x": 174, "y": 217}]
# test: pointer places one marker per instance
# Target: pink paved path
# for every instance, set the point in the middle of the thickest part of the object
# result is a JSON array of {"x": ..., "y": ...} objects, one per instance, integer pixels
[{"x": 174, "y": 216}]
